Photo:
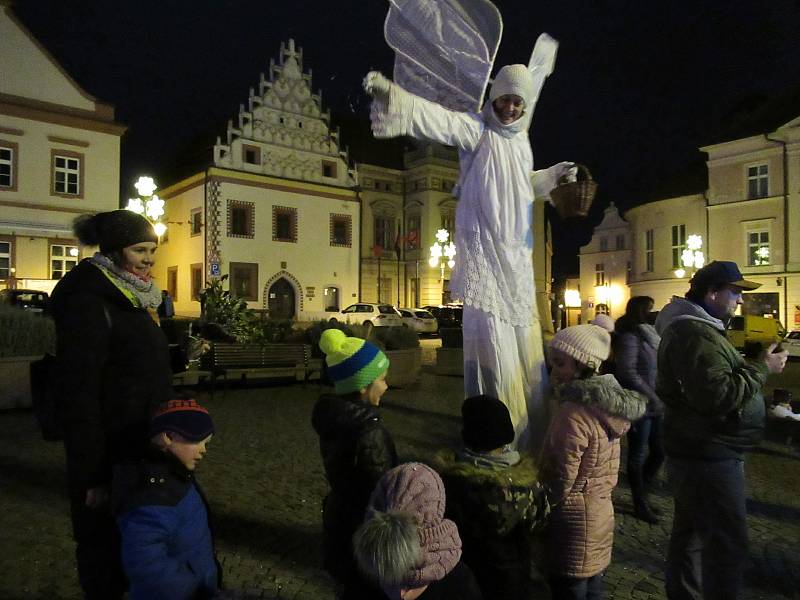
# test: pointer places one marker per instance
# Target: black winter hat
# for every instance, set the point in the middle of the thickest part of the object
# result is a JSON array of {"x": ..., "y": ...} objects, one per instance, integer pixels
[
  {"x": 114, "y": 230},
  {"x": 486, "y": 423},
  {"x": 184, "y": 417}
]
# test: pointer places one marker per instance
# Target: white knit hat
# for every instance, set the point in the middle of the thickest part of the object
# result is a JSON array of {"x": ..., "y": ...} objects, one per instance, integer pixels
[
  {"x": 590, "y": 345},
  {"x": 604, "y": 321},
  {"x": 513, "y": 79}
]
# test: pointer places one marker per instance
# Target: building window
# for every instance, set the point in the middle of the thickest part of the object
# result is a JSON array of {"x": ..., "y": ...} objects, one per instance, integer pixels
[
  {"x": 412, "y": 232},
  {"x": 448, "y": 185},
  {"x": 758, "y": 248},
  {"x": 330, "y": 299},
  {"x": 385, "y": 290},
  {"x": 196, "y": 222},
  {"x": 62, "y": 259},
  {"x": 649, "y": 250},
  {"x": 341, "y": 230},
  {"x": 413, "y": 288},
  {"x": 241, "y": 219},
  {"x": 449, "y": 223},
  {"x": 628, "y": 270},
  {"x": 172, "y": 282},
  {"x": 5, "y": 259},
  {"x": 678, "y": 245},
  {"x": 244, "y": 280},
  {"x": 251, "y": 155},
  {"x": 284, "y": 224},
  {"x": 603, "y": 244},
  {"x": 758, "y": 181},
  {"x": 197, "y": 280},
  {"x": 620, "y": 241},
  {"x": 8, "y": 166},
  {"x": 328, "y": 168},
  {"x": 384, "y": 232},
  {"x": 67, "y": 173},
  {"x": 600, "y": 274}
]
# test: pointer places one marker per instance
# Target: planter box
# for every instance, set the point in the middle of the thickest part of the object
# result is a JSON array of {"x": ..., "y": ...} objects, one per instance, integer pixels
[
  {"x": 404, "y": 366},
  {"x": 15, "y": 382},
  {"x": 450, "y": 361}
]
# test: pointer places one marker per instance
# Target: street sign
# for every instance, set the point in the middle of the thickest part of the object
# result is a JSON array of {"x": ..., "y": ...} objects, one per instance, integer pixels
[{"x": 215, "y": 271}]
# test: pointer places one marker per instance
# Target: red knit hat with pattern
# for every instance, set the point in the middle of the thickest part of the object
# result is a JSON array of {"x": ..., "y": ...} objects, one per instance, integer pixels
[{"x": 184, "y": 417}]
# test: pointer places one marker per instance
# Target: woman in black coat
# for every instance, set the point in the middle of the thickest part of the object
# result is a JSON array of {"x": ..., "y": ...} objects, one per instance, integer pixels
[
  {"x": 636, "y": 352},
  {"x": 112, "y": 372}
]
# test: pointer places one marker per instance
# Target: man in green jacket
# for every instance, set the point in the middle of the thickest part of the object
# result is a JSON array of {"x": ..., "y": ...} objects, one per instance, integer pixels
[{"x": 714, "y": 411}]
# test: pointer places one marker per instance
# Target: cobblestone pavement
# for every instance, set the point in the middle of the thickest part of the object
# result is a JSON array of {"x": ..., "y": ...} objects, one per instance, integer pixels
[{"x": 265, "y": 483}]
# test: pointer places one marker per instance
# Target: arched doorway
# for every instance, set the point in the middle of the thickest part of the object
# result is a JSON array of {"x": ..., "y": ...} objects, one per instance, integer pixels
[{"x": 281, "y": 300}]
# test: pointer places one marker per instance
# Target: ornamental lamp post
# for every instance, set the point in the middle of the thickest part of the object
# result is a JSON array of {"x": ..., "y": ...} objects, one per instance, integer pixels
[
  {"x": 692, "y": 258},
  {"x": 442, "y": 248},
  {"x": 148, "y": 204}
]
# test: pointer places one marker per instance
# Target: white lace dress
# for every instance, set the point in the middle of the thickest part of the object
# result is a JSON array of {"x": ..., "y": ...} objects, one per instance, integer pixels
[{"x": 503, "y": 352}]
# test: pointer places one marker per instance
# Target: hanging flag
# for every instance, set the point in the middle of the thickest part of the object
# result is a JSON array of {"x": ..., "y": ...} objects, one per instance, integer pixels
[{"x": 397, "y": 243}]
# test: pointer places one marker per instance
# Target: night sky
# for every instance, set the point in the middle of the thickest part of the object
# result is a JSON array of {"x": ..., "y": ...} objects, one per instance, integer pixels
[{"x": 638, "y": 85}]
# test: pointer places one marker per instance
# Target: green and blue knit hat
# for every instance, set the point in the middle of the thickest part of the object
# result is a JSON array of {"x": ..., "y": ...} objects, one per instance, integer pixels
[{"x": 353, "y": 363}]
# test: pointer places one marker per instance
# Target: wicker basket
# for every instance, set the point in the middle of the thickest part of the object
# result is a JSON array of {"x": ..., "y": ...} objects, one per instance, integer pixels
[{"x": 574, "y": 198}]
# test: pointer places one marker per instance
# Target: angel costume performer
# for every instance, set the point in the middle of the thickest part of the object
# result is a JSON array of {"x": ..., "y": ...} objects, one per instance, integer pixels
[{"x": 503, "y": 350}]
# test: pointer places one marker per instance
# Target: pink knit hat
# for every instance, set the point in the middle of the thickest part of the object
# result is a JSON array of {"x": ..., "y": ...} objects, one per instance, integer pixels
[
  {"x": 417, "y": 490},
  {"x": 590, "y": 345}
]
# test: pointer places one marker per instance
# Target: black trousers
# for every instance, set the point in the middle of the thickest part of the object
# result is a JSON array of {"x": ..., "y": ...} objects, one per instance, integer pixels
[{"x": 100, "y": 571}]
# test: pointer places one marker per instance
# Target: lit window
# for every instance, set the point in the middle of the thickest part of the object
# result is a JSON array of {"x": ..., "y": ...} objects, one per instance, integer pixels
[
  {"x": 758, "y": 181},
  {"x": 331, "y": 299},
  {"x": 62, "y": 259},
  {"x": 8, "y": 166},
  {"x": 5, "y": 260},
  {"x": 678, "y": 245},
  {"x": 600, "y": 274},
  {"x": 758, "y": 248}
]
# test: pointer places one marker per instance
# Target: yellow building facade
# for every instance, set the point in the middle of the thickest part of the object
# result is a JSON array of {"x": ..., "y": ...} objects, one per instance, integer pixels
[{"x": 59, "y": 158}]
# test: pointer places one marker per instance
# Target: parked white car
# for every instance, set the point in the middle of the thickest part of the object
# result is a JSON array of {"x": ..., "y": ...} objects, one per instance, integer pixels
[
  {"x": 377, "y": 315},
  {"x": 791, "y": 343},
  {"x": 419, "y": 319}
]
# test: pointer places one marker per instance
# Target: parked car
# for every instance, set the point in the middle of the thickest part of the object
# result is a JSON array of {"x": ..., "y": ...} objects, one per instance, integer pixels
[
  {"x": 753, "y": 331},
  {"x": 377, "y": 315},
  {"x": 791, "y": 343},
  {"x": 447, "y": 315},
  {"x": 31, "y": 300},
  {"x": 419, "y": 319}
]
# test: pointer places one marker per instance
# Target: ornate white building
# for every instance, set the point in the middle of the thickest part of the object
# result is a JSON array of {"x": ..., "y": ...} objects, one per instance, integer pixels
[{"x": 276, "y": 210}]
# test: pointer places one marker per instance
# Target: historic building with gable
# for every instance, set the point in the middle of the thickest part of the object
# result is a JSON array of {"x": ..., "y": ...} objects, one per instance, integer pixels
[
  {"x": 59, "y": 158},
  {"x": 276, "y": 209},
  {"x": 749, "y": 213}
]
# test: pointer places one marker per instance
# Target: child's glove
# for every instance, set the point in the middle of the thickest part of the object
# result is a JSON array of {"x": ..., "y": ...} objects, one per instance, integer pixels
[{"x": 376, "y": 85}]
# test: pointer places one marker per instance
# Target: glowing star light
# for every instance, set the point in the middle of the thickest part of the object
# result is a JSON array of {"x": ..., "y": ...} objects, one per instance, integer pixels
[
  {"x": 145, "y": 186},
  {"x": 136, "y": 205}
]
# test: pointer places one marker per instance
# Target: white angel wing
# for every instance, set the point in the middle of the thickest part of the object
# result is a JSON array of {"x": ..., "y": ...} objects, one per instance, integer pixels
[
  {"x": 444, "y": 49},
  {"x": 541, "y": 64}
]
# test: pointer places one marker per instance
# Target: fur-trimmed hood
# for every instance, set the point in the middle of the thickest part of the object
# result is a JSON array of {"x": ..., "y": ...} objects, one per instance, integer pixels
[
  {"x": 609, "y": 401},
  {"x": 523, "y": 474}
]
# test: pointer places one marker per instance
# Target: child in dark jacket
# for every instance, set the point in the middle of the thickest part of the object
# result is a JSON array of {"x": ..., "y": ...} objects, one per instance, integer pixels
[
  {"x": 167, "y": 547},
  {"x": 356, "y": 449},
  {"x": 494, "y": 497}
]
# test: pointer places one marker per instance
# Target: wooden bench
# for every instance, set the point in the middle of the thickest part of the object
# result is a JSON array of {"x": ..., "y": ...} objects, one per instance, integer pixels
[{"x": 257, "y": 360}]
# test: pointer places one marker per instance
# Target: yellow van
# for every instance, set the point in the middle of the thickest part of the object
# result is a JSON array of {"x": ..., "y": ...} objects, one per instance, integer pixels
[{"x": 748, "y": 329}]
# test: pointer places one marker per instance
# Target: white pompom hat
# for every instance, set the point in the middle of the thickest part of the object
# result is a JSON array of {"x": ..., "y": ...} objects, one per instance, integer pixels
[
  {"x": 590, "y": 345},
  {"x": 513, "y": 79}
]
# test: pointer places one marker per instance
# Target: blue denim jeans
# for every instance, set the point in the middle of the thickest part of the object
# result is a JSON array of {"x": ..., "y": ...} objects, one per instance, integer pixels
[
  {"x": 571, "y": 588},
  {"x": 645, "y": 453},
  {"x": 708, "y": 545}
]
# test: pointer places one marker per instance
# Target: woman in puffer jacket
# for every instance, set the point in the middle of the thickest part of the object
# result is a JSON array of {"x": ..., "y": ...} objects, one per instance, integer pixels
[
  {"x": 636, "y": 350},
  {"x": 580, "y": 461}
]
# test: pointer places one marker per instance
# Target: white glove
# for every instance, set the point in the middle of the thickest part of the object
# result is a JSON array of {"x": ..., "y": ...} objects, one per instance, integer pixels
[
  {"x": 376, "y": 85},
  {"x": 564, "y": 170}
]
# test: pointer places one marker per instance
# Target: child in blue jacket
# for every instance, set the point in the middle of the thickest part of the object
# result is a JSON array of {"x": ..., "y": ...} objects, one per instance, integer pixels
[{"x": 167, "y": 547}]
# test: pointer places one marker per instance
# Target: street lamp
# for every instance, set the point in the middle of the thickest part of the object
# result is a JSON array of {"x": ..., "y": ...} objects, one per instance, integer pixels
[
  {"x": 442, "y": 249},
  {"x": 692, "y": 258},
  {"x": 148, "y": 204}
]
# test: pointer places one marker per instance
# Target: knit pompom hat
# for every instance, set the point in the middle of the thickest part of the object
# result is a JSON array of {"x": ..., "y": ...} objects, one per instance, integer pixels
[
  {"x": 486, "y": 423},
  {"x": 184, "y": 417},
  {"x": 513, "y": 79},
  {"x": 416, "y": 490},
  {"x": 353, "y": 363},
  {"x": 604, "y": 321},
  {"x": 590, "y": 345},
  {"x": 114, "y": 230}
]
